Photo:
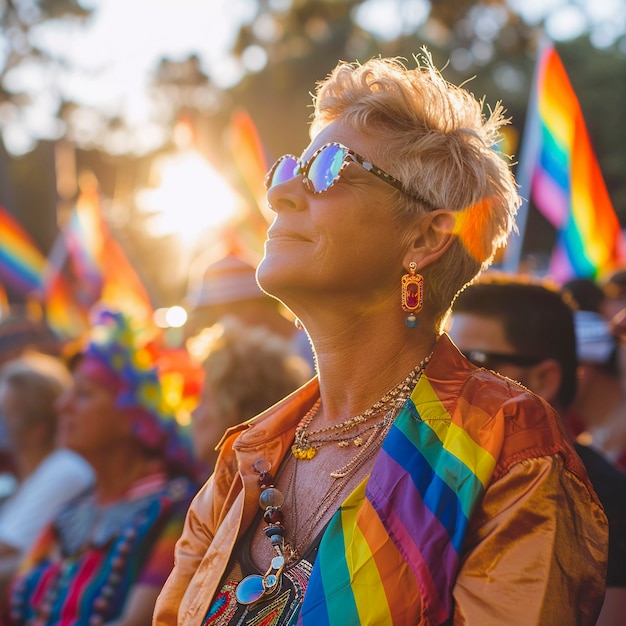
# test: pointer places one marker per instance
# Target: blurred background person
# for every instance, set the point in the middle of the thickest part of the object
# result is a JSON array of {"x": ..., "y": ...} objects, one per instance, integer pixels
[
  {"x": 507, "y": 325},
  {"x": 228, "y": 287},
  {"x": 47, "y": 476},
  {"x": 106, "y": 555},
  {"x": 247, "y": 370},
  {"x": 614, "y": 289},
  {"x": 526, "y": 331},
  {"x": 599, "y": 390}
]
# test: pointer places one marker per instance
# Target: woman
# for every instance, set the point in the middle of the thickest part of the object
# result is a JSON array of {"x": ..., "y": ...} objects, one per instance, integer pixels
[
  {"x": 49, "y": 476},
  {"x": 246, "y": 370},
  {"x": 403, "y": 485},
  {"x": 106, "y": 555}
]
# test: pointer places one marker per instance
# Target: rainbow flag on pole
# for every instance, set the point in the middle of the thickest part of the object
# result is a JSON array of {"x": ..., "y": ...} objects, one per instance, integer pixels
[
  {"x": 99, "y": 265},
  {"x": 559, "y": 172}
]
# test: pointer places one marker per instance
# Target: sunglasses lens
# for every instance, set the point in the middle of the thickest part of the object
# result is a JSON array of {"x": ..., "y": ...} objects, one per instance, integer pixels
[
  {"x": 284, "y": 169},
  {"x": 325, "y": 168}
]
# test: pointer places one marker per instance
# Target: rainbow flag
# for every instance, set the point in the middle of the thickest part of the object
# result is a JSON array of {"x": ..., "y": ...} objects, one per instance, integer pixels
[
  {"x": 249, "y": 163},
  {"x": 63, "y": 315},
  {"x": 559, "y": 172},
  {"x": 26, "y": 269},
  {"x": 395, "y": 543},
  {"x": 84, "y": 237},
  {"x": 21, "y": 262},
  {"x": 101, "y": 270}
]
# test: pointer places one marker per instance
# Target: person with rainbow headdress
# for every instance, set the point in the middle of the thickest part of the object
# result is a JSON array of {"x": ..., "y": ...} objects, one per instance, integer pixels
[
  {"x": 403, "y": 485},
  {"x": 107, "y": 553}
]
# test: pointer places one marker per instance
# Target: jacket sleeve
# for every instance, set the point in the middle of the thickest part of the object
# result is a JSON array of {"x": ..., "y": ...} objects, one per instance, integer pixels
[{"x": 535, "y": 552}]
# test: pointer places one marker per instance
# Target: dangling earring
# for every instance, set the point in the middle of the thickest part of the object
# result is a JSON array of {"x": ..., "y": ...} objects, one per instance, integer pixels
[{"x": 412, "y": 294}]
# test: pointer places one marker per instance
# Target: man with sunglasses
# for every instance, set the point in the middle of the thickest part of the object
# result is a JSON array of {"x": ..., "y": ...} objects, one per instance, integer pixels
[
  {"x": 528, "y": 332},
  {"x": 520, "y": 329}
]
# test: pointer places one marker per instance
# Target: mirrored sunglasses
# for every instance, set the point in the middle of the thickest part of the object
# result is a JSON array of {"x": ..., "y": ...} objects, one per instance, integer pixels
[{"x": 324, "y": 169}]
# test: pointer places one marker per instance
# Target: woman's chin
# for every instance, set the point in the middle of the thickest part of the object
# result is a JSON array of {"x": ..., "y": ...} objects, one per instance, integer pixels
[{"x": 271, "y": 273}]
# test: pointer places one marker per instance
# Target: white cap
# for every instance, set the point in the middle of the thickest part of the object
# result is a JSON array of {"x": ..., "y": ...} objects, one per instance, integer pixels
[{"x": 594, "y": 341}]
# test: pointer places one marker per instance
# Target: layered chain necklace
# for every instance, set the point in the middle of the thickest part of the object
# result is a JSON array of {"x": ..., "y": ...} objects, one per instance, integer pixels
[{"x": 306, "y": 444}]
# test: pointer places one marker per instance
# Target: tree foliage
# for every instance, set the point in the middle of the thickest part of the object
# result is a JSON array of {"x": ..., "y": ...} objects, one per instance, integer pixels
[{"x": 19, "y": 20}]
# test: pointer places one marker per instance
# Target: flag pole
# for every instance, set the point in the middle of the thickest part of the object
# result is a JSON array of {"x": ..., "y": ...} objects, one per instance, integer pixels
[{"x": 529, "y": 153}]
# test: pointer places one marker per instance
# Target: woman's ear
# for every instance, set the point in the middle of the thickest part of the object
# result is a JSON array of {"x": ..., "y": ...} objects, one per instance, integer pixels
[{"x": 433, "y": 235}]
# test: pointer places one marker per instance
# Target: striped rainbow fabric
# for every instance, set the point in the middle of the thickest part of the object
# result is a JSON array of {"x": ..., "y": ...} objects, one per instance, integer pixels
[
  {"x": 391, "y": 552},
  {"x": 21, "y": 262},
  {"x": 63, "y": 314},
  {"x": 26, "y": 269},
  {"x": 566, "y": 183}
]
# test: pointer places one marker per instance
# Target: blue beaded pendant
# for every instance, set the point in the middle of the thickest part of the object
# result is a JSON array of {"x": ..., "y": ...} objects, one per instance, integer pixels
[
  {"x": 411, "y": 320},
  {"x": 250, "y": 589}
]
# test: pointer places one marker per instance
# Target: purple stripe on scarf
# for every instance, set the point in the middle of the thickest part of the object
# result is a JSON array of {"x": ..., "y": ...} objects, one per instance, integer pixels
[{"x": 413, "y": 528}]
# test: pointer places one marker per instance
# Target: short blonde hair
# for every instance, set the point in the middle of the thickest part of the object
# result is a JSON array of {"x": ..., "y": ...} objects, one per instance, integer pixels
[{"x": 436, "y": 139}]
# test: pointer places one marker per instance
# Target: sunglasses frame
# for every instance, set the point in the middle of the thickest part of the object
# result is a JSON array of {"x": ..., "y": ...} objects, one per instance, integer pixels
[{"x": 350, "y": 156}]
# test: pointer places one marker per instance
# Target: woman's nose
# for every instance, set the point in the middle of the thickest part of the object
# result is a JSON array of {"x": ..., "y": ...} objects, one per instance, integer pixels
[{"x": 288, "y": 195}]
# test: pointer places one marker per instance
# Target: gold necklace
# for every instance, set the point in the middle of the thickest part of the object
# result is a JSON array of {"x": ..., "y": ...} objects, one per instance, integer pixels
[
  {"x": 340, "y": 479},
  {"x": 307, "y": 443}
]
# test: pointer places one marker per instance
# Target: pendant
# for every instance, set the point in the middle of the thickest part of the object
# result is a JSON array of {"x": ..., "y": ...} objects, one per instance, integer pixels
[
  {"x": 303, "y": 454},
  {"x": 252, "y": 588}
]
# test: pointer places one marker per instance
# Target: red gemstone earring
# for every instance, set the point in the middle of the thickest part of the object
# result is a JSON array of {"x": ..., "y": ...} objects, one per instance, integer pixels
[{"x": 412, "y": 294}]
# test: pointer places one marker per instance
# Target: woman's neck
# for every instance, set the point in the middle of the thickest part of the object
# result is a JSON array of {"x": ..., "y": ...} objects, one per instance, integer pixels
[
  {"x": 357, "y": 367},
  {"x": 117, "y": 471}
]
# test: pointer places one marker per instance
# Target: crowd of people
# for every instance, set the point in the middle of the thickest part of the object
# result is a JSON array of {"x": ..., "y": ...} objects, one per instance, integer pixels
[
  {"x": 387, "y": 433},
  {"x": 98, "y": 474}
]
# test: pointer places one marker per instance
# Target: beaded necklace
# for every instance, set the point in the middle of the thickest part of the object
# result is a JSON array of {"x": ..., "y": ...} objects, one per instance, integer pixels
[{"x": 256, "y": 586}]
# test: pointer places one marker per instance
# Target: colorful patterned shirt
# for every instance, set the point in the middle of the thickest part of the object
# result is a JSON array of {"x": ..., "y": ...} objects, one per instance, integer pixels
[{"x": 84, "y": 565}]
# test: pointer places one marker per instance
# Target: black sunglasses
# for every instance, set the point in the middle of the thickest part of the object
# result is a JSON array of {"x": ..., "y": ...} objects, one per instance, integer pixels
[{"x": 490, "y": 360}]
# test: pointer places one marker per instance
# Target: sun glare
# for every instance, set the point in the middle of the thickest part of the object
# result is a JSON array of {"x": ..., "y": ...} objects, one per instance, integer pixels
[{"x": 191, "y": 197}]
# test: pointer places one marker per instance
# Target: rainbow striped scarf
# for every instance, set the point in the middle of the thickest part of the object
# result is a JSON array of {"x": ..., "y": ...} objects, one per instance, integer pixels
[{"x": 390, "y": 554}]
